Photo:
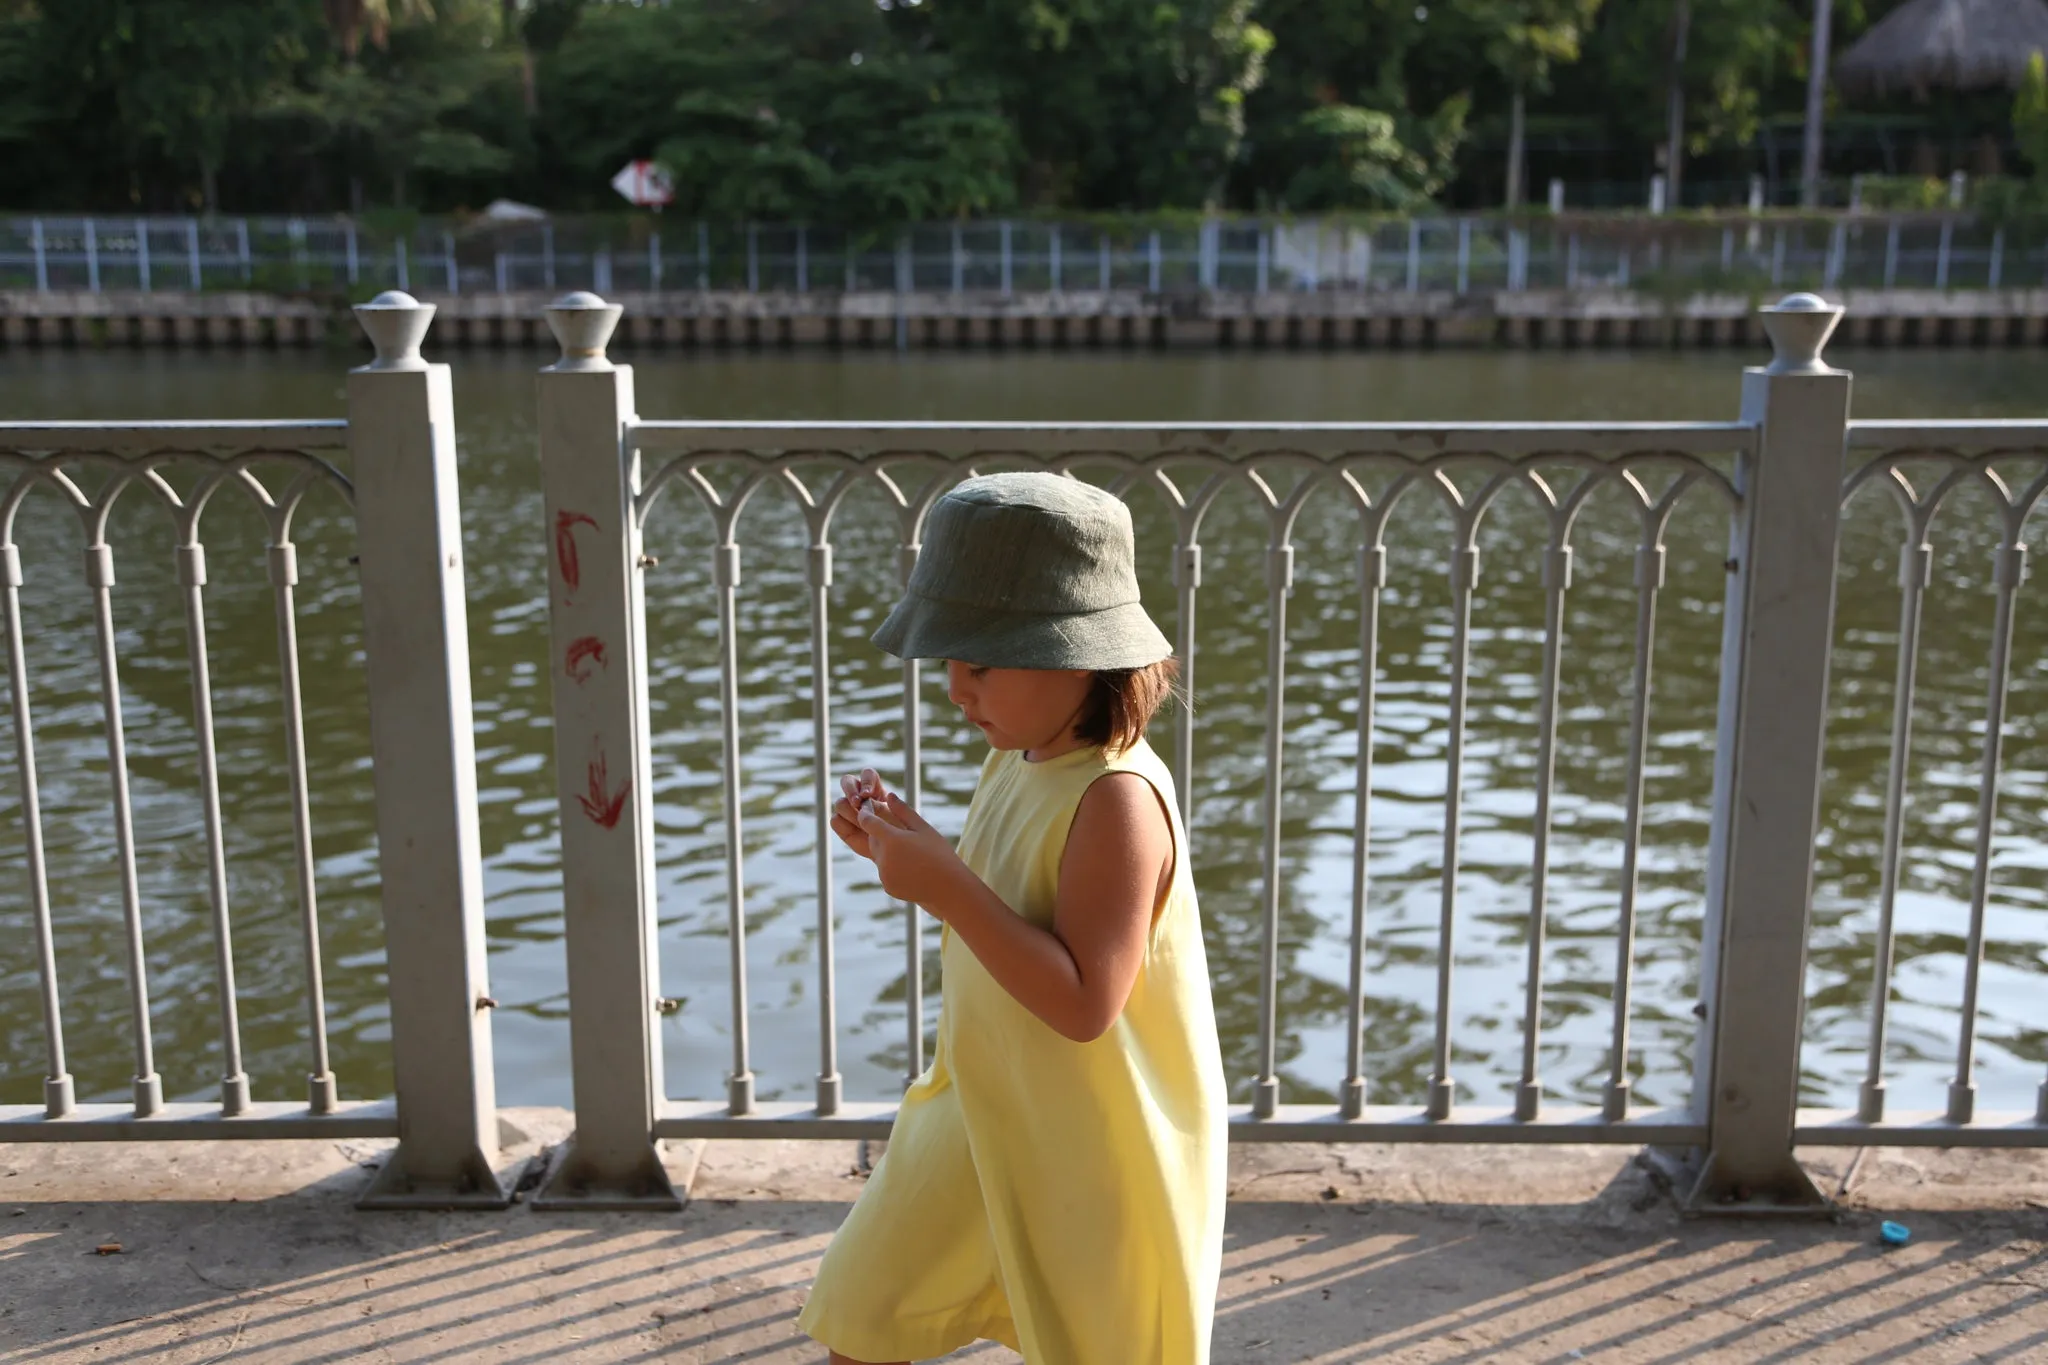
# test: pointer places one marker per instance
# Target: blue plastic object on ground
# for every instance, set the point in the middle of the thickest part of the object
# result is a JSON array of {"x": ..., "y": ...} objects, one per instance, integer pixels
[{"x": 1895, "y": 1234}]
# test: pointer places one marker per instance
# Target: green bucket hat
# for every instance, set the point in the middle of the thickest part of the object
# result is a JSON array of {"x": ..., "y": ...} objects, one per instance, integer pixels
[{"x": 1025, "y": 571}]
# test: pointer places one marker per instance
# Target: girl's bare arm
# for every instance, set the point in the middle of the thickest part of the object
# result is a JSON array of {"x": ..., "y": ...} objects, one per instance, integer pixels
[{"x": 1077, "y": 975}]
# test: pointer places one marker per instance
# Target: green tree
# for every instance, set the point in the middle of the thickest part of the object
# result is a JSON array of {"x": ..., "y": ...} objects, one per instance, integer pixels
[
  {"x": 823, "y": 110},
  {"x": 412, "y": 108},
  {"x": 1366, "y": 158},
  {"x": 1126, "y": 104},
  {"x": 2030, "y": 118},
  {"x": 1525, "y": 40},
  {"x": 148, "y": 81}
]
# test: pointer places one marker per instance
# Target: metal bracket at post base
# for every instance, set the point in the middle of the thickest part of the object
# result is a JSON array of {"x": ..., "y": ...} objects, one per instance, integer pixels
[
  {"x": 572, "y": 1185},
  {"x": 1702, "y": 1190},
  {"x": 476, "y": 1186}
]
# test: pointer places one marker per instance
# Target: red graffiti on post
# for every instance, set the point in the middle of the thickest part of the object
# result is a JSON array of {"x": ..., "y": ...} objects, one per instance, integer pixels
[
  {"x": 565, "y": 546},
  {"x": 602, "y": 806},
  {"x": 582, "y": 654}
]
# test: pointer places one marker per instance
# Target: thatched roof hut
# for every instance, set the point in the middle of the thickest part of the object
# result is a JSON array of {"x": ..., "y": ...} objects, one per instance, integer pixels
[{"x": 1945, "y": 44}]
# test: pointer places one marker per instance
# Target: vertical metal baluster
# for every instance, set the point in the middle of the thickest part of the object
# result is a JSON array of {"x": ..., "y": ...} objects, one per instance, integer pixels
[
  {"x": 1649, "y": 580},
  {"x": 58, "y": 1095},
  {"x": 1187, "y": 577},
  {"x": 1557, "y": 577},
  {"x": 1464, "y": 576},
  {"x": 234, "y": 1081},
  {"x": 1279, "y": 579},
  {"x": 284, "y": 575},
  {"x": 821, "y": 746},
  {"x": 913, "y": 766},
  {"x": 1916, "y": 571},
  {"x": 99, "y": 576},
  {"x": 725, "y": 575},
  {"x": 1372, "y": 577},
  {"x": 2010, "y": 570}
]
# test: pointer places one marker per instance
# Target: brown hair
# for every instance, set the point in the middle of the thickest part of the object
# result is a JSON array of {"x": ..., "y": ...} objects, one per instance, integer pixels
[{"x": 1123, "y": 702}]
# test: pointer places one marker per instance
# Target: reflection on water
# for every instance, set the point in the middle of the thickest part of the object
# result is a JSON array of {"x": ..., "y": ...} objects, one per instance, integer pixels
[{"x": 506, "y": 581}]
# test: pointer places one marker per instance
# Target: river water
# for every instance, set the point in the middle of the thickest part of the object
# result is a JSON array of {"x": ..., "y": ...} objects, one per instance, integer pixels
[{"x": 507, "y": 615}]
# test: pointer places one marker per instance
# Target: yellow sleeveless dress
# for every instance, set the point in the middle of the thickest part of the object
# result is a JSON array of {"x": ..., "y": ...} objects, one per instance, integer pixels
[{"x": 1063, "y": 1198}]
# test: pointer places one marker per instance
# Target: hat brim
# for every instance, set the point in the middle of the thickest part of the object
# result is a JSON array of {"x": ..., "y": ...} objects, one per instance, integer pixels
[{"x": 1113, "y": 638}]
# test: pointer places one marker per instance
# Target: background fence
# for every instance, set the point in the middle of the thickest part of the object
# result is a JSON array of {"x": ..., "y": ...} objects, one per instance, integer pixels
[{"x": 1460, "y": 255}]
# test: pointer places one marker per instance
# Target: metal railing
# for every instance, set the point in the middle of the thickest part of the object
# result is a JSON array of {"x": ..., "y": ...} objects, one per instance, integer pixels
[
  {"x": 1923, "y": 466},
  {"x": 1430, "y": 254},
  {"x": 400, "y": 493},
  {"x": 1780, "y": 470}
]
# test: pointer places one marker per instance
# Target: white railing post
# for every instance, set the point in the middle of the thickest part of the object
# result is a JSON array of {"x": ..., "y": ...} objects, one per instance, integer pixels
[
  {"x": 597, "y": 665},
  {"x": 92, "y": 257},
  {"x": 142, "y": 253},
  {"x": 448, "y": 263},
  {"x": 401, "y": 438},
  {"x": 1777, "y": 630},
  {"x": 35, "y": 235},
  {"x": 193, "y": 270},
  {"x": 1008, "y": 256},
  {"x": 242, "y": 250}
]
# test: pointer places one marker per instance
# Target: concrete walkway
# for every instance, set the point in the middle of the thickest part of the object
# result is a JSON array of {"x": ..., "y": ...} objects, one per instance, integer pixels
[{"x": 235, "y": 1252}]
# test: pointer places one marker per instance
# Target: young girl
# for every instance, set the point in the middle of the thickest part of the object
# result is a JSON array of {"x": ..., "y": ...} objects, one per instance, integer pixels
[{"x": 1055, "y": 1179}]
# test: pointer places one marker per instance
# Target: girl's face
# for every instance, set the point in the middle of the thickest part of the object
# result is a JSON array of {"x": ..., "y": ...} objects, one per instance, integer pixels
[{"x": 1032, "y": 709}]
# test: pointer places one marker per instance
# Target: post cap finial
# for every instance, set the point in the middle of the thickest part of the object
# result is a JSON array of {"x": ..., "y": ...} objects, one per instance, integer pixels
[
  {"x": 1799, "y": 326},
  {"x": 583, "y": 324},
  {"x": 396, "y": 323}
]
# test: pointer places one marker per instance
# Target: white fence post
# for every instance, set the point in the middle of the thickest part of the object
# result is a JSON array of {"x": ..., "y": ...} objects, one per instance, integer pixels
[
  {"x": 242, "y": 250},
  {"x": 448, "y": 263},
  {"x": 142, "y": 253},
  {"x": 192, "y": 253},
  {"x": 35, "y": 234},
  {"x": 401, "y": 438},
  {"x": 1008, "y": 259},
  {"x": 597, "y": 666},
  {"x": 92, "y": 257},
  {"x": 1777, "y": 630}
]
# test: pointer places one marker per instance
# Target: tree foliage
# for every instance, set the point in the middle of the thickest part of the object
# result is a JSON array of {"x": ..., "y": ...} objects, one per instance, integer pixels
[
  {"x": 870, "y": 111},
  {"x": 2030, "y": 118}
]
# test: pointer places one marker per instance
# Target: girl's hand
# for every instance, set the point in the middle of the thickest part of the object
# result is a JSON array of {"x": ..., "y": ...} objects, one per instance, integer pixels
[
  {"x": 856, "y": 791},
  {"x": 915, "y": 861}
]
